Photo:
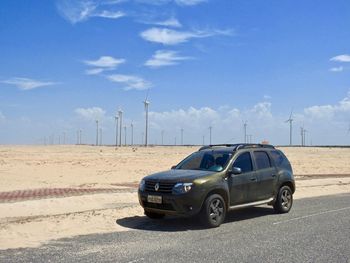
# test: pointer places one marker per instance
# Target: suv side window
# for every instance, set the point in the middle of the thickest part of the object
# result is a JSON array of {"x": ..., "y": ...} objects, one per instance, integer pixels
[
  {"x": 262, "y": 160},
  {"x": 244, "y": 161},
  {"x": 280, "y": 160}
]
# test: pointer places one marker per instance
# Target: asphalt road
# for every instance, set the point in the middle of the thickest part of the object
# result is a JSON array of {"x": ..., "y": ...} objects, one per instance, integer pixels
[{"x": 316, "y": 230}]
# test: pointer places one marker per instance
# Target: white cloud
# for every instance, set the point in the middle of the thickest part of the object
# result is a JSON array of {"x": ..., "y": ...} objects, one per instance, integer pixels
[
  {"x": 94, "y": 71},
  {"x": 189, "y": 2},
  {"x": 336, "y": 69},
  {"x": 178, "y": 2},
  {"x": 341, "y": 58},
  {"x": 130, "y": 82},
  {"x": 167, "y": 36},
  {"x": 340, "y": 110},
  {"x": 91, "y": 114},
  {"x": 105, "y": 62},
  {"x": 81, "y": 10},
  {"x": 27, "y": 84},
  {"x": 164, "y": 58},
  {"x": 171, "y": 22},
  {"x": 102, "y": 64}
]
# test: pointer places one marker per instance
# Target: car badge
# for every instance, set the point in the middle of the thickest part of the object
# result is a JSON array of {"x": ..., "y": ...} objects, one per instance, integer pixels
[{"x": 156, "y": 187}]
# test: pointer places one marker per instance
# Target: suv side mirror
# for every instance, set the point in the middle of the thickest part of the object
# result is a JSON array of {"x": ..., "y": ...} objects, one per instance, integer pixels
[
  {"x": 236, "y": 170},
  {"x": 173, "y": 167}
]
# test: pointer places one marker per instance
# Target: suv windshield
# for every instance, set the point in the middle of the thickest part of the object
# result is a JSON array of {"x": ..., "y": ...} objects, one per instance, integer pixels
[{"x": 205, "y": 160}]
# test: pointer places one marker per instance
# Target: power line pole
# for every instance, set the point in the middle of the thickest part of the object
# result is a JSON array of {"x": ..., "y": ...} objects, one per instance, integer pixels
[
  {"x": 96, "y": 132},
  {"x": 80, "y": 136}
]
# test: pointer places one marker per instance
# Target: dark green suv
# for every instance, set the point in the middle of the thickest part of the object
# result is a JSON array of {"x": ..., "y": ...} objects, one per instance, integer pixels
[{"x": 218, "y": 178}]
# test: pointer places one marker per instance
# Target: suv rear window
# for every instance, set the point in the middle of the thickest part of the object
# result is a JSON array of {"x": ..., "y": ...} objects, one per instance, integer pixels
[
  {"x": 262, "y": 160},
  {"x": 280, "y": 160}
]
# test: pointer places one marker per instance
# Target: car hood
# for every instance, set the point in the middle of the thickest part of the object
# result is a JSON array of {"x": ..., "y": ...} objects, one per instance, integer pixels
[{"x": 177, "y": 175}]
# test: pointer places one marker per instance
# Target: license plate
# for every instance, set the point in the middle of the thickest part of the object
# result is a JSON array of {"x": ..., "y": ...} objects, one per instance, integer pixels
[{"x": 154, "y": 199}]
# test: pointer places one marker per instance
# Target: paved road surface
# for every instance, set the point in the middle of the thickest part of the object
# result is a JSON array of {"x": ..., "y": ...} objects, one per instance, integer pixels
[{"x": 316, "y": 230}]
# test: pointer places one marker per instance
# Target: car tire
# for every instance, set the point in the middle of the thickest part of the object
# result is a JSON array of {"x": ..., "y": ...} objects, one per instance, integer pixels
[
  {"x": 153, "y": 215},
  {"x": 213, "y": 211},
  {"x": 284, "y": 200}
]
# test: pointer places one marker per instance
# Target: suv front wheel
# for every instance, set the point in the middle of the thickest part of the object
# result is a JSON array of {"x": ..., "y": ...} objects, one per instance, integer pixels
[
  {"x": 213, "y": 211},
  {"x": 284, "y": 200}
]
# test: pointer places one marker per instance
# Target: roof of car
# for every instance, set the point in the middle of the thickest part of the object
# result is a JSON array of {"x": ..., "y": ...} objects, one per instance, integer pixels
[{"x": 235, "y": 147}]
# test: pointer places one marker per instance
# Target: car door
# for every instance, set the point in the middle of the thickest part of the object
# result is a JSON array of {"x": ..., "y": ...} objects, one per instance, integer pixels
[
  {"x": 242, "y": 186},
  {"x": 266, "y": 174}
]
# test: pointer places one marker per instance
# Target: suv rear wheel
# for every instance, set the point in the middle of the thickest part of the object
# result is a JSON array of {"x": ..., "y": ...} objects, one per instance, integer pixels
[
  {"x": 213, "y": 211},
  {"x": 154, "y": 215},
  {"x": 284, "y": 200}
]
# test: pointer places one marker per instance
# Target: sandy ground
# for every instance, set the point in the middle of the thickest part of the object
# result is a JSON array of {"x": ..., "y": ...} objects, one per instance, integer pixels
[{"x": 320, "y": 171}]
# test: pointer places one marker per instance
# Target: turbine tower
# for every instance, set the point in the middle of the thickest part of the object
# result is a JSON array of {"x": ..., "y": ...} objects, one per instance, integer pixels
[
  {"x": 245, "y": 124},
  {"x": 162, "y": 137},
  {"x": 146, "y": 103},
  {"x": 210, "y": 129},
  {"x": 290, "y": 120},
  {"x": 120, "y": 112},
  {"x": 125, "y": 135},
  {"x": 116, "y": 130}
]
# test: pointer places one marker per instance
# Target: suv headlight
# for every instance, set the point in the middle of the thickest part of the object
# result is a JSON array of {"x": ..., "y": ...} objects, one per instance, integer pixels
[
  {"x": 142, "y": 185},
  {"x": 181, "y": 188}
]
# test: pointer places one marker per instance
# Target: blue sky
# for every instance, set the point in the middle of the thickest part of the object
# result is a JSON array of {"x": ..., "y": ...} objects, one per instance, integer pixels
[{"x": 205, "y": 62}]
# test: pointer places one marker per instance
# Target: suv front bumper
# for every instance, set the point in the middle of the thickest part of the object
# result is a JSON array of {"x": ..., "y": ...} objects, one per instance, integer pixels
[{"x": 187, "y": 204}]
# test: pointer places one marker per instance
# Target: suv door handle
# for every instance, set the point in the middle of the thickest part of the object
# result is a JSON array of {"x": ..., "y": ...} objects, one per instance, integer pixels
[
  {"x": 273, "y": 175},
  {"x": 253, "y": 179}
]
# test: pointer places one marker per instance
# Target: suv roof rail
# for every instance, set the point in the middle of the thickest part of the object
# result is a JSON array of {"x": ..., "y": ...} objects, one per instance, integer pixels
[
  {"x": 238, "y": 146},
  {"x": 254, "y": 145},
  {"x": 216, "y": 145}
]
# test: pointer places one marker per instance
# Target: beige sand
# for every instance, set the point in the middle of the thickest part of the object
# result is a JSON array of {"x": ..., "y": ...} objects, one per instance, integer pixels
[{"x": 32, "y": 223}]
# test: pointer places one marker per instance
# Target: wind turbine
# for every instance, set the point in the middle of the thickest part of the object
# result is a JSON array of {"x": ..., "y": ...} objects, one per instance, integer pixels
[
  {"x": 120, "y": 113},
  {"x": 146, "y": 104},
  {"x": 162, "y": 137},
  {"x": 290, "y": 120},
  {"x": 116, "y": 129}
]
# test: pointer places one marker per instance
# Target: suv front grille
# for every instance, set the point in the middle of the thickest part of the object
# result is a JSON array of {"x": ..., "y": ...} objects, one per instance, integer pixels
[{"x": 163, "y": 187}]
